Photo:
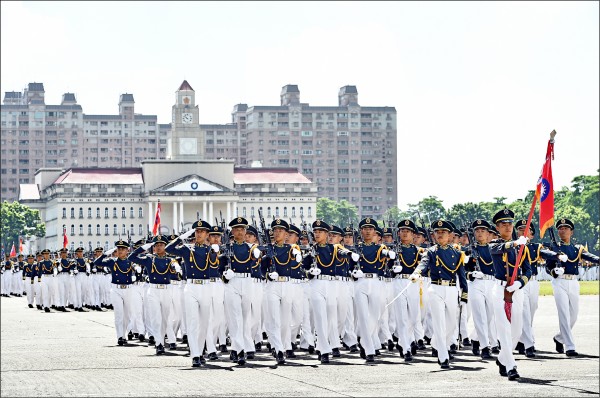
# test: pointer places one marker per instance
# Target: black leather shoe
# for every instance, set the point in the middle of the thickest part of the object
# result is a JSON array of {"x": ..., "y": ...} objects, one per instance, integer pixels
[
  {"x": 121, "y": 341},
  {"x": 130, "y": 335},
  {"x": 30, "y": 305},
  {"x": 559, "y": 346},
  {"x": 241, "y": 358},
  {"x": 39, "y": 307},
  {"x": 172, "y": 346},
  {"x": 290, "y": 354},
  {"x": 485, "y": 353},
  {"x": 466, "y": 342},
  {"x": 141, "y": 337},
  {"x": 268, "y": 346},
  {"x": 213, "y": 356},
  {"x": 427, "y": 340},
  {"x": 264, "y": 335},
  {"x": 572, "y": 353},
  {"x": 513, "y": 374},
  {"x": 151, "y": 341},
  {"x": 413, "y": 348},
  {"x": 336, "y": 353},
  {"x": 223, "y": 349},
  {"x": 250, "y": 355},
  {"x": 450, "y": 356},
  {"x": 184, "y": 339},
  {"x": 370, "y": 358},
  {"x": 160, "y": 349},
  {"x": 445, "y": 364},
  {"x": 400, "y": 350},
  {"x": 529, "y": 352},
  {"x": 71, "y": 306},
  {"x": 196, "y": 362},
  {"x": 501, "y": 369},
  {"x": 475, "y": 347},
  {"x": 258, "y": 346},
  {"x": 496, "y": 350},
  {"x": 520, "y": 348},
  {"x": 434, "y": 352},
  {"x": 294, "y": 346},
  {"x": 363, "y": 354},
  {"x": 280, "y": 358},
  {"x": 46, "y": 309},
  {"x": 353, "y": 348},
  {"x": 233, "y": 356},
  {"x": 408, "y": 357},
  {"x": 421, "y": 345},
  {"x": 377, "y": 353},
  {"x": 325, "y": 358},
  {"x": 453, "y": 348},
  {"x": 390, "y": 345}
]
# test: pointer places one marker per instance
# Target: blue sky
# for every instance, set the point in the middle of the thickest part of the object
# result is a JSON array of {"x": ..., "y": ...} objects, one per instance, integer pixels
[{"x": 478, "y": 86}]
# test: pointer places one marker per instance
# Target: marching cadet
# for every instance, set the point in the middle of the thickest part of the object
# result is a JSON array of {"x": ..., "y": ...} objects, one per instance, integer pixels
[
  {"x": 198, "y": 291},
  {"x": 463, "y": 309},
  {"x": 94, "y": 282},
  {"x": 406, "y": 307},
  {"x": 349, "y": 338},
  {"x": 420, "y": 240},
  {"x": 239, "y": 291},
  {"x": 29, "y": 275},
  {"x": 504, "y": 254},
  {"x": 480, "y": 273},
  {"x": 7, "y": 276},
  {"x": 81, "y": 269},
  {"x": 565, "y": 284},
  {"x": 158, "y": 266},
  {"x": 177, "y": 321},
  {"x": 387, "y": 322},
  {"x": 444, "y": 264},
  {"x": 256, "y": 304},
  {"x": 64, "y": 266},
  {"x": 217, "y": 261},
  {"x": 122, "y": 273},
  {"x": 17, "y": 285},
  {"x": 37, "y": 288},
  {"x": 138, "y": 302},
  {"x": 297, "y": 281},
  {"x": 277, "y": 266},
  {"x": 367, "y": 288},
  {"x": 47, "y": 281}
]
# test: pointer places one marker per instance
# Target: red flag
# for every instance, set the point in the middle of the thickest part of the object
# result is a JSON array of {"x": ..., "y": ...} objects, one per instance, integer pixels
[
  {"x": 13, "y": 251},
  {"x": 65, "y": 239},
  {"x": 156, "y": 226},
  {"x": 545, "y": 192},
  {"x": 21, "y": 245}
]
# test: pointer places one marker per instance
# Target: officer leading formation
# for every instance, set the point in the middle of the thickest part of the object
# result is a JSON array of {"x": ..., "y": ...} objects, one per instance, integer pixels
[{"x": 319, "y": 288}]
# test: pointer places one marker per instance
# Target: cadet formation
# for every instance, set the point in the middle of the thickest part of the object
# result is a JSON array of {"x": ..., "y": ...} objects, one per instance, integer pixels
[{"x": 239, "y": 289}]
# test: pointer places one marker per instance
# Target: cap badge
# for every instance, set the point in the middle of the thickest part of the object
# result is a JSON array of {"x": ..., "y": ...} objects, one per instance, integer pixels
[
  {"x": 278, "y": 221},
  {"x": 318, "y": 222},
  {"x": 368, "y": 220},
  {"x": 562, "y": 221},
  {"x": 440, "y": 223},
  {"x": 239, "y": 219},
  {"x": 478, "y": 222},
  {"x": 505, "y": 211}
]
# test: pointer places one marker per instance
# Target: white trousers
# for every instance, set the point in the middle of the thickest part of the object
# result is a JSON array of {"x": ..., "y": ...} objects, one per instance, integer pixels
[
  {"x": 256, "y": 306},
  {"x": 198, "y": 299},
  {"x": 508, "y": 333},
  {"x": 367, "y": 298},
  {"x": 176, "y": 323},
  {"x": 443, "y": 301},
  {"x": 120, "y": 300},
  {"x": 159, "y": 308},
  {"x": 426, "y": 321},
  {"x": 349, "y": 335},
  {"x": 297, "y": 298},
  {"x": 480, "y": 301},
  {"x": 531, "y": 292},
  {"x": 62, "y": 288},
  {"x": 385, "y": 331},
  {"x": 323, "y": 300},
  {"x": 94, "y": 287},
  {"x": 6, "y": 281},
  {"x": 47, "y": 288},
  {"x": 78, "y": 289},
  {"x": 279, "y": 304},
  {"x": 406, "y": 308},
  {"x": 216, "y": 331},
  {"x": 566, "y": 296},
  {"x": 307, "y": 333},
  {"x": 136, "y": 308},
  {"x": 238, "y": 299},
  {"x": 29, "y": 289}
]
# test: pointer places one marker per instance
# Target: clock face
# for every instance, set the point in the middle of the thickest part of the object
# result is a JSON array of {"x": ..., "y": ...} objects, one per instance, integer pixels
[
  {"x": 186, "y": 118},
  {"x": 187, "y": 146}
]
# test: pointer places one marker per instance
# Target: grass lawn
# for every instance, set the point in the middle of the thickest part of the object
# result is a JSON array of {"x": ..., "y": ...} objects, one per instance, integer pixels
[{"x": 585, "y": 288}]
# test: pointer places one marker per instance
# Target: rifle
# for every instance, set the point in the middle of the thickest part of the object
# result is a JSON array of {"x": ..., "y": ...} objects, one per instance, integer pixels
[
  {"x": 267, "y": 239},
  {"x": 225, "y": 240},
  {"x": 422, "y": 222},
  {"x": 472, "y": 246}
]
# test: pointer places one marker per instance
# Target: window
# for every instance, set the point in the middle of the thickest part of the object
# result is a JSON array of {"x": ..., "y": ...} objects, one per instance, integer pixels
[
  {"x": 309, "y": 211},
  {"x": 243, "y": 212},
  {"x": 252, "y": 211},
  {"x": 140, "y": 230},
  {"x": 140, "y": 213},
  {"x": 131, "y": 231},
  {"x": 72, "y": 212},
  {"x": 285, "y": 211},
  {"x": 98, "y": 229},
  {"x": 301, "y": 211},
  {"x": 277, "y": 211},
  {"x": 64, "y": 210},
  {"x": 114, "y": 212},
  {"x": 106, "y": 212},
  {"x": 124, "y": 230},
  {"x": 123, "y": 212},
  {"x": 72, "y": 246},
  {"x": 293, "y": 211},
  {"x": 106, "y": 245},
  {"x": 131, "y": 213},
  {"x": 97, "y": 212},
  {"x": 80, "y": 229},
  {"x": 89, "y": 212},
  {"x": 89, "y": 229},
  {"x": 269, "y": 212},
  {"x": 72, "y": 229},
  {"x": 115, "y": 229}
]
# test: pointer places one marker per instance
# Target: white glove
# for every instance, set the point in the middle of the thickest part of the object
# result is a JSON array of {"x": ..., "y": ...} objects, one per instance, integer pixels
[
  {"x": 178, "y": 268},
  {"x": 60, "y": 268},
  {"x": 563, "y": 258},
  {"x": 314, "y": 271},
  {"x": 521, "y": 241},
  {"x": 357, "y": 273},
  {"x": 467, "y": 259},
  {"x": 299, "y": 257},
  {"x": 392, "y": 254},
  {"x": 147, "y": 245},
  {"x": 138, "y": 269},
  {"x": 295, "y": 252},
  {"x": 397, "y": 268},
  {"x": 229, "y": 274},
  {"x": 414, "y": 277},
  {"x": 477, "y": 274},
  {"x": 512, "y": 288},
  {"x": 187, "y": 234},
  {"x": 133, "y": 278},
  {"x": 256, "y": 253},
  {"x": 111, "y": 251},
  {"x": 75, "y": 271},
  {"x": 94, "y": 270},
  {"x": 355, "y": 256},
  {"x": 215, "y": 247},
  {"x": 559, "y": 271},
  {"x": 273, "y": 275},
  {"x": 55, "y": 272}
]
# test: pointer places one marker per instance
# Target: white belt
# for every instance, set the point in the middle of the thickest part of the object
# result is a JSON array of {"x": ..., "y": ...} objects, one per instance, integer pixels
[
  {"x": 293, "y": 280},
  {"x": 488, "y": 277},
  {"x": 402, "y": 276},
  {"x": 533, "y": 277},
  {"x": 371, "y": 276},
  {"x": 242, "y": 275},
  {"x": 198, "y": 281},
  {"x": 158, "y": 286},
  {"x": 121, "y": 286},
  {"x": 382, "y": 278},
  {"x": 257, "y": 280},
  {"x": 215, "y": 280},
  {"x": 501, "y": 282},
  {"x": 327, "y": 277},
  {"x": 280, "y": 279},
  {"x": 567, "y": 276},
  {"x": 175, "y": 282}
]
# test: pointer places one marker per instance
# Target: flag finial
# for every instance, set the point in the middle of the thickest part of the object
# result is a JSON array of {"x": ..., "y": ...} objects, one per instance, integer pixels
[{"x": 552, "y": 135}]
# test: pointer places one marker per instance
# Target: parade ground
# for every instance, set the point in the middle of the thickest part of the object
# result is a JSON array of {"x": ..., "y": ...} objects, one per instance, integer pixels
[{"x": 76, "y": 354}]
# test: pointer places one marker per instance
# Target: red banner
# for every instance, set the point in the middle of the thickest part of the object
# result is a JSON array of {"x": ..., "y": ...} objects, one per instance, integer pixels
[
  {"x": 545, "y": 192},
  {"x": 65, "y": 239},
  {"x": 156, "y": 226}
]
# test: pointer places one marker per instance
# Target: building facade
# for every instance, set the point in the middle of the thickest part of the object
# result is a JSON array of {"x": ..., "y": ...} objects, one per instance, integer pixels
[{"x": 97, "y": 206}]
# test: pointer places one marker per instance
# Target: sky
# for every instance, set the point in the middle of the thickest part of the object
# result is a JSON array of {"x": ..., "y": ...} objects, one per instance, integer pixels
[{"x": 478, "y": 86}]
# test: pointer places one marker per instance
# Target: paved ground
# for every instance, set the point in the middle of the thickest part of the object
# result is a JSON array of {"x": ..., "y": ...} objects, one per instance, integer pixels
[{"x": 75, "y": 354}]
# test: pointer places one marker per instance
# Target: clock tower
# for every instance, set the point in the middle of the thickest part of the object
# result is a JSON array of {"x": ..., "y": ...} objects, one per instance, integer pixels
[{"x": 187, "y": 140}]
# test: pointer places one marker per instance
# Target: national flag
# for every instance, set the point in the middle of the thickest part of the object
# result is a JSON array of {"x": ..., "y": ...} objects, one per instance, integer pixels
[
  {"x": 21, "y": 245},
  {"x": 65, "y": 239},
  {"x": 156, "y": 226},
  {"x": 545, "y": 192},
  {"x": 13, "y": 251}
]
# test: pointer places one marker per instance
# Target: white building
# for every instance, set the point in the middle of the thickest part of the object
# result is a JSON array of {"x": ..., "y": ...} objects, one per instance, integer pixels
[{"x": 98, "y": 206}]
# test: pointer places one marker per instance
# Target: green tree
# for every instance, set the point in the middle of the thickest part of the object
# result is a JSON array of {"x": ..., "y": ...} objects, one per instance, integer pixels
[
  {"x": 338, "y": 213},
  {"x": 430, "y": 208},
  {"x": 19, "y": 220},
  {"x": 393, "y": 215}
]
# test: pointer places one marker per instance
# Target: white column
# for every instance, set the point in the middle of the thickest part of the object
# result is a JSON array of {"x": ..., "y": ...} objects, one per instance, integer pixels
[
  {"x": 150, "y": 217},
  {"x": 204, "y": 211},
  {"x": 175, "y": 226},
  {"x": 210, "y": 213},
  {"x": 228, "y": 213},
  {"x": 181, "y": 221},
  {"x": 234, "y": 212}
]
